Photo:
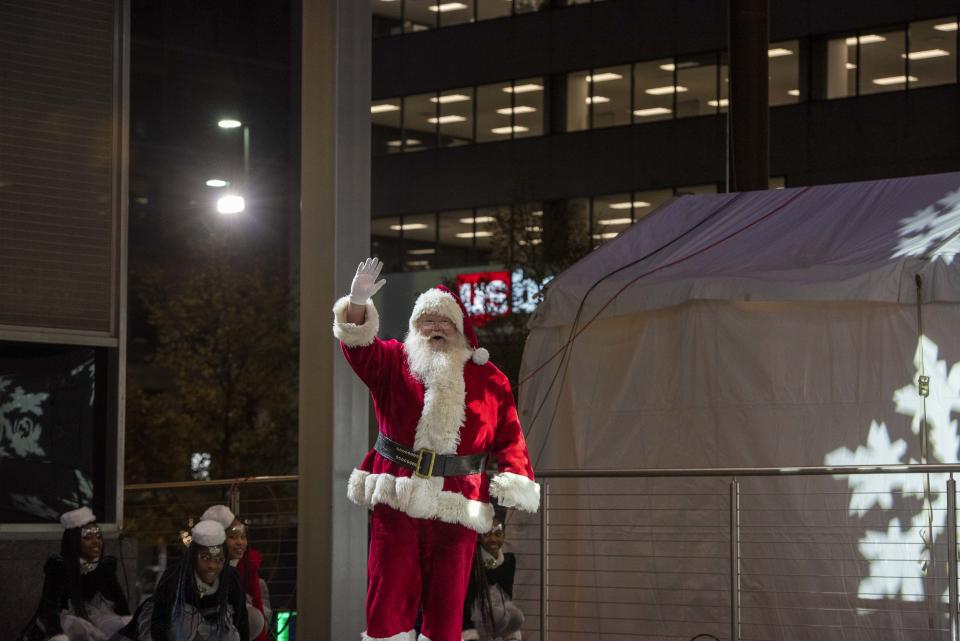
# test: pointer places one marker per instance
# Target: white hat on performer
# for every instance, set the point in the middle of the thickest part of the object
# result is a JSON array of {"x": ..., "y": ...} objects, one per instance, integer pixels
[
  {"x": 443, "y": 302},
  {"x": 208, "y": 534},
  {"x": 77, "y": 518},
  {"x": 219, "y": 513}
]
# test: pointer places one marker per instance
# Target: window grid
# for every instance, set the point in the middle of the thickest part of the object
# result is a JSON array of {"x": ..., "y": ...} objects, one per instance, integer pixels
[{"x": 805, "y": 74}]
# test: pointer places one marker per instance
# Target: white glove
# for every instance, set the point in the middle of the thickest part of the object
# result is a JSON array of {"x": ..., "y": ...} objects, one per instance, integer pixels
[{"x": 365, "y": 283}]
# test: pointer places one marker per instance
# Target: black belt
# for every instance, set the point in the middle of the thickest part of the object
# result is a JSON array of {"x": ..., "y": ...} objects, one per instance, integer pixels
[{"x": 426, "y": 463}]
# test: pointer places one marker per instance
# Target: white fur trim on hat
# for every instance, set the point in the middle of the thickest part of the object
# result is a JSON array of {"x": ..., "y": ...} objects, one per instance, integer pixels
[
  {"x": 351, "y": 334},
  {"x": 208, "y": 533},
  {"x": 480, "y": 356},
  {"x": 515, "y": 490},
  {"x": 436, "y": 301},
  {"x": 219, "y": 513},
  {"x": 77, "y": 518},
  {"x": 419, "y": 498},
  {"x": 409, "y": 635}
]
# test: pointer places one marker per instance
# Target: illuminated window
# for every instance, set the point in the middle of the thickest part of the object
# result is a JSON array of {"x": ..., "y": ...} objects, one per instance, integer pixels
[
  {"x": 455, "y": 116},
  {"x": 695, "y": 92},
  {"x": 385, "y": 134},
  {"x": 419, "y": 238},
  {"x": 784, "y": 61},
  {"x": 933, "y": 52},
  {"x": 510, "y": 110},
  {"x": 453, "y": 12},
  {"x": 578, "y": 97},
  {"x": 386, "y": 242},
  {"x": 611, "y": 215},
  {"x": 657, "y": 105},
  {"x": 609, "y": 96},
  {"x": 494, "y": 112},
  {"x": 420, "y": 121},
  {"x": 883, "y": 61},
  {"x": 420, "y": 15},
  {"x": 528, "y": 107},
  {"x": 839, "y": 67},
  {"x": 528, "y": 6},
  {"x": 488, "y": 9},
  {"x": 455, "y": 246}
]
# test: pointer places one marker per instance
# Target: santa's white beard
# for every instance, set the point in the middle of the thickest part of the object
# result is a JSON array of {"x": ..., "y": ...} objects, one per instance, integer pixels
[{"x": 431, "y": 365}]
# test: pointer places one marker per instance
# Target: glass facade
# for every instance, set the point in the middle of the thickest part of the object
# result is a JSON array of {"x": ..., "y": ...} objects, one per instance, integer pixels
[
  {"x": 393, "y": 17},
  {"x": 919, "y": 54},
  {"x": 484, "y": 235}
]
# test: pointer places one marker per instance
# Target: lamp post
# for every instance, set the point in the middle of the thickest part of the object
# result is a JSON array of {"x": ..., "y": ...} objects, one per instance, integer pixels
[{"x": 230, "y": 123}]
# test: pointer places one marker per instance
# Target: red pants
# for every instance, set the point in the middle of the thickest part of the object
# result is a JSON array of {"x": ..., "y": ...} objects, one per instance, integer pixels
[{"x": 417, "y": 563}]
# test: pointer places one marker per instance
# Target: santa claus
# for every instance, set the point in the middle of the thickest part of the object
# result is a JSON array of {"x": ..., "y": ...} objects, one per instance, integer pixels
[{"x": 445, "y": 414}]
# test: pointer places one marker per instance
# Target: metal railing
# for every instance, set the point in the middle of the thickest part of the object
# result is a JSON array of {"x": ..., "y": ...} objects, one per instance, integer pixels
[
  {"x": 745, "y": 554},
  {"x": 157, "y": 513}
]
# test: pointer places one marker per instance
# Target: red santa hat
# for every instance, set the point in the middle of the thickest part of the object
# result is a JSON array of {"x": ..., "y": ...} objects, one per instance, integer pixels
[{"x": 443, "y": 302}]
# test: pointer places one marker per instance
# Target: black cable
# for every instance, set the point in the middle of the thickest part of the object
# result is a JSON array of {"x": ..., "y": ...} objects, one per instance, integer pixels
[{"x": 564, "y": 360}]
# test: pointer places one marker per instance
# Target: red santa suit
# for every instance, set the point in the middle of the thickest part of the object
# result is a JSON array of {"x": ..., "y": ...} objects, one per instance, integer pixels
[{"x": 423, "y": 530}]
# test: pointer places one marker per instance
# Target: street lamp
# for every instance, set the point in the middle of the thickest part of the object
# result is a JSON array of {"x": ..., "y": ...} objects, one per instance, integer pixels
[
  {"x": 230, "y": 204},
  {"x": 232, "y": 123}
]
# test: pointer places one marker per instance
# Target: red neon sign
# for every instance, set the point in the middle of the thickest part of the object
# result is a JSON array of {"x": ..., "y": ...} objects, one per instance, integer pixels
[{"x": 486, "y": 295}]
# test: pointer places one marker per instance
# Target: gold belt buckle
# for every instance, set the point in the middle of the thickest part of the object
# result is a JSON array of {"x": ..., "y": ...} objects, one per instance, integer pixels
[{"x": 433, "y": 459}]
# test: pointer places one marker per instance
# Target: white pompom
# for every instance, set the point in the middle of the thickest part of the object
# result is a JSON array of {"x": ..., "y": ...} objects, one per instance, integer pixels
[{"x": 480, "y": 356}]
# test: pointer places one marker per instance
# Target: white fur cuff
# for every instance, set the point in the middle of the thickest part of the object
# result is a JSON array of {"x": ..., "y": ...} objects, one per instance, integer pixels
[
  {"x": 471, "y": 634},
  {"x": 420, "y": 499},
  {"x": 514, "y": 490},
  {"x": 351, "y": 334}
]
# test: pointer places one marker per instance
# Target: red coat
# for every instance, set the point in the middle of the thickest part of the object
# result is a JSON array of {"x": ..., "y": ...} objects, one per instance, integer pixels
[
  {"x": 473, "y": 414},
  {"x": 249, "y": 570}
]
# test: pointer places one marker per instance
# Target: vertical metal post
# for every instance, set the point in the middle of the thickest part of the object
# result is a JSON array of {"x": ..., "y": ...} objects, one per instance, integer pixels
[
  {"x": 246, "y": 156},
  {"x": 734, "y": 560},
  {"x": 544, "y": 524},
  {"x": 952, "y": 554}
]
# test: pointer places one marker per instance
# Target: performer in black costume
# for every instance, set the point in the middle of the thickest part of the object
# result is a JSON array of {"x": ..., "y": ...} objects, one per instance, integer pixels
[
  {"x": 81, "y": 598},
  {"x": 199, "y": 598},
  {"x": 489, "y": 611}
]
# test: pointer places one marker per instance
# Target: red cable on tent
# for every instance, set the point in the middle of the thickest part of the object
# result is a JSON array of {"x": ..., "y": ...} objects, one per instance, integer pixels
[{"x": 652, "y": 271}]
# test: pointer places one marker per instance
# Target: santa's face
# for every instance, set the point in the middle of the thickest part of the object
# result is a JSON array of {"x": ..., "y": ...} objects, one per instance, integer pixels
[{"x": 437, "y": 330}]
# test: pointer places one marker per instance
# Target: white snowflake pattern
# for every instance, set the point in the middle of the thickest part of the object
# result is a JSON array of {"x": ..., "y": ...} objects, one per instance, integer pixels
[
  {"x": 929, "y": 228},
  {"x": 898, "y": 557}
]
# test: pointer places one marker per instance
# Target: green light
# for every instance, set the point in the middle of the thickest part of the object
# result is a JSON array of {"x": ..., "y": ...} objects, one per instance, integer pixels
[{"x": 283, "y": 627}]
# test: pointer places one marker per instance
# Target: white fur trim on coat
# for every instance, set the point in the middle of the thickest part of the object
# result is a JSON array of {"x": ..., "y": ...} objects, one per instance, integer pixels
[
  {"x": 351, "y": 334},
  {"x": 419, "y": 498},
  {"x": 77, "y": 518},
  {"x": 471, "y": 634},
  {"x": 409, "y": 635},
  {"x": 515, "y": 490},
  {"x": 435, "y": 301}
]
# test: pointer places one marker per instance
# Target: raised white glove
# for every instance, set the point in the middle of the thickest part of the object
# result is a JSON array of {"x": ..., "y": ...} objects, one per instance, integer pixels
[{"x": 365, "y": 283}]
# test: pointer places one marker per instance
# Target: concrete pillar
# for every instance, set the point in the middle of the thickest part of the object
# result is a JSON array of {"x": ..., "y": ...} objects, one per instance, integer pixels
[{"x": 334, "y": 237}]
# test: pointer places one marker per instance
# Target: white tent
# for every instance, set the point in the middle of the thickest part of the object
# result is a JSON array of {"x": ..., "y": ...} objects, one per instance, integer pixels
[{"x": 762, "y": 329}]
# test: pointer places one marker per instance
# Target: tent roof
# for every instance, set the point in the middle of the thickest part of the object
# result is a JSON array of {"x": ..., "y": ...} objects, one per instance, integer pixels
[{"x": 857, "y": 241}]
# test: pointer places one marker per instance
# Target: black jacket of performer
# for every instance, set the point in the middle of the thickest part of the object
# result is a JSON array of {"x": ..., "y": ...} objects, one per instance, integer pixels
[
  {"x": 501, "y": 576},
  {"x": 208, "y": 605},
  {"x": 54, "y": 597}
]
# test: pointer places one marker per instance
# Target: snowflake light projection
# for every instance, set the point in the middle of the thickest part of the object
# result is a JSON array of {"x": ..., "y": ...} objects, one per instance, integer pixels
[
  {"x": 898, "y": 555},
  {"x": 932, "y": 228}
]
